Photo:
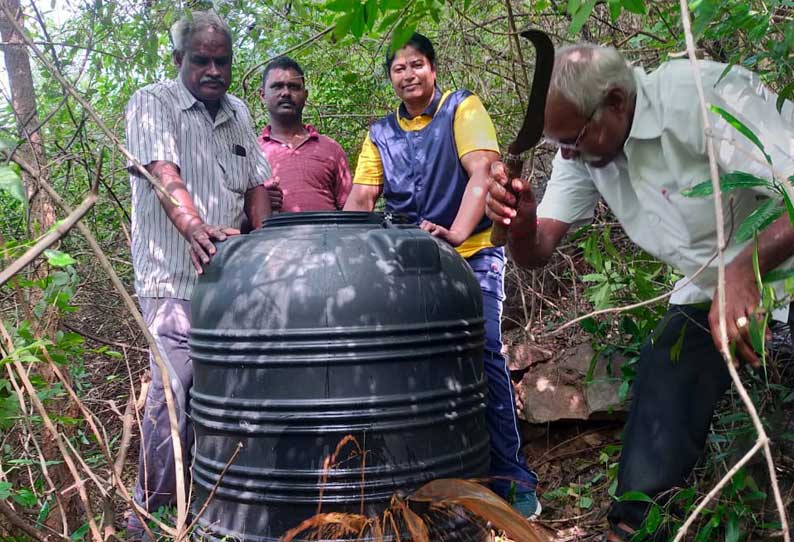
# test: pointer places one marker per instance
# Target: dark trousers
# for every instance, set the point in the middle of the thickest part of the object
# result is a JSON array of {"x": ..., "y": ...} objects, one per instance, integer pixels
[
  {"x": 674, "y": 396},
  {"x": 507, "y": 464}
]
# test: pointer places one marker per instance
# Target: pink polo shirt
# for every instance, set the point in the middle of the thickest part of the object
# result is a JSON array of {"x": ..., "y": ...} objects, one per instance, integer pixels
[{"x": 313, "y": 176}]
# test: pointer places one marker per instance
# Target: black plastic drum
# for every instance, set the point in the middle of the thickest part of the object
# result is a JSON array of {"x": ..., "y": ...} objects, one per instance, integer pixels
[{"x": 322, "y": 327}]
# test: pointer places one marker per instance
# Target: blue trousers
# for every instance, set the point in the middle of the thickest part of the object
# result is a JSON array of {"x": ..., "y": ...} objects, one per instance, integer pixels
[{"x": 507, "y": 465}]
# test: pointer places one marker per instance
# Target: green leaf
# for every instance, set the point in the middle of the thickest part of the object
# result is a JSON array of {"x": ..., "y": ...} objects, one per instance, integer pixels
[
  {"x": 739, "y": 480},
  {"x": 763, "y": 216},
  {"x": 705, "y": 11},
  {"x": 358, "y": 24},
  {"x": 581, "y": 16},
  {"x": 623, "y": 390},
  {"x": 732, "y": 528},
  {"x": 601, "y": 295},
  {"x": 755, "y": 496},
  {"x": 56, "y": 258},
  {"x": 725, "y": 72},
  {"x": 756, "y": 266},
  {"x": 371, "y": 13},
  {"x": 678, "y": 345},
  {"x": 11, "y": 182},
  {"x": 743, "y": 129},
  {"x": 402, "y": 33},
  {"x": 340, "y": 6},
  {"x": 778, "y": 274},
  {"x": 388, "y": 21},
  {"x": 5, "y": 490},
  {"x": 79, "y": 534},
  {"x": 634, "y": 6},
  {"x": 539, "y": 6},
  {"x": 608, "y": 246},
  {"x": 26, "y": 498},
  {"x": 585, "y": 502},
  {"x": 653, "y": 519},
  {"x": 757, "y": 331},
  {"x": 342, "y": 26},
  {"x": 789, "y": 205},
  {"x": 614, "y": 9},
  {"x": 44, "y": 512},
  {"x": 635, "y": 496},
  {"x": 588, "y": 378},
  {"x": 787, "y": 93},
  {"x": 590, "y": 326},
  {"x": 728, "y": 181}
]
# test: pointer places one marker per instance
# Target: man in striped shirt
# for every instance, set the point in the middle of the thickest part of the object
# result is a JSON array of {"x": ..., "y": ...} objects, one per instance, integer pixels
[{"x": 199, "y": 142}]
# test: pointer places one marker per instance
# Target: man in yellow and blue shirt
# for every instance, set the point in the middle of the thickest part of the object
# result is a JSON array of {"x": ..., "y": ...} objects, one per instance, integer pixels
[{"x": 430, "y": 160}]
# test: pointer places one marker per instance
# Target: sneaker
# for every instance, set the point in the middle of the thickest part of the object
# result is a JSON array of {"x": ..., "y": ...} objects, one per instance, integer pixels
[{"x": 528, "y": 505}]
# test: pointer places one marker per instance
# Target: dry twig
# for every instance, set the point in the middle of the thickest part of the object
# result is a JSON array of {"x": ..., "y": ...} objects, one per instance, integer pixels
[{"x": 762, "y": 441}]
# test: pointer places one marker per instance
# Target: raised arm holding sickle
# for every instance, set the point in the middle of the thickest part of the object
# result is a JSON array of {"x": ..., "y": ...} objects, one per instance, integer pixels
[{"x": 632, "y": 139}]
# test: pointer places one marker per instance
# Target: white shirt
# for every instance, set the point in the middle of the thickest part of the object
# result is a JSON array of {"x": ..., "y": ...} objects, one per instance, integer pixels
[
  {"x": 665, "y": 154},
  {"x": 219, "y": 160}
]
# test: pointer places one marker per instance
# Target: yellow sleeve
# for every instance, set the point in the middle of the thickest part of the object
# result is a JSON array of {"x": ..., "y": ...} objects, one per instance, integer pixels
[
  {"x": 474, "y": 130},
  {"x": 369, "y": 169}
]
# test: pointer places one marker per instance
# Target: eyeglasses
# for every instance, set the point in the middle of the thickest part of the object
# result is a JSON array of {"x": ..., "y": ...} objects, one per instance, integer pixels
[{"x": 579, "y": 137}]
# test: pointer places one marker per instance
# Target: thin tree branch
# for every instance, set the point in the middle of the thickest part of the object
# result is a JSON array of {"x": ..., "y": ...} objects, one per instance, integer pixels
[
  {"x": 21, "y": 523},
  {"x": 762, "y": 437},
  {"x": 624, "y": 308},
  {"x": 301, "y": 45},
  {"x": 215, "y": 486},
  {"x": 102, "y": 340},
  {"x": 69, "y": 88},
  {"x": 42, "y": 460},
  {"x": 33, "y": 395},
  {"x": 169, "y": 398},
  {"x": 716, "y": 489},
  {"x": 48, "y": 240}
]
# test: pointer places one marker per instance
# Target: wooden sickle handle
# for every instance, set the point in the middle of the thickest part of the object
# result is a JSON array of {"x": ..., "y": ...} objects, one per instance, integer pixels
[{"x": 514, "y": 166}]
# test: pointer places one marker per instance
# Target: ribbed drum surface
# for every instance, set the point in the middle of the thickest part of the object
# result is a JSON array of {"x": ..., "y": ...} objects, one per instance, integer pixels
[{"x": 331, "y": 327}]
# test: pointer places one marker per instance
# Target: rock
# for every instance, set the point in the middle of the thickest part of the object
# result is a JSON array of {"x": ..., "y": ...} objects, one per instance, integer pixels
[
  {"x": 555, "y": 389},
  {"x": 523, "y": 355}
]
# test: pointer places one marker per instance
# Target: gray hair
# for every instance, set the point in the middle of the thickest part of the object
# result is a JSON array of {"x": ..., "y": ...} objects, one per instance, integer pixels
[
  {"x": 190, "y": 23},
  {"x": 585, "y": 72}
]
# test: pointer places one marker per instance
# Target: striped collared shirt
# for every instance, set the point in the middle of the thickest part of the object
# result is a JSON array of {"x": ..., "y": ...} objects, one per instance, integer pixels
[{"x": 219, "y": 160}]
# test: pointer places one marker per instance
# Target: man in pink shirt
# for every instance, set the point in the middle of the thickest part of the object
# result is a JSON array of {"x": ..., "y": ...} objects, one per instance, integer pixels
[{"x": 310, "y": 171}]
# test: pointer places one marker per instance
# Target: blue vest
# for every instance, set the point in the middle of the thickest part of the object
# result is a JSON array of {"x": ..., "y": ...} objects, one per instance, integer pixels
[{"x": 422, "y": 174}]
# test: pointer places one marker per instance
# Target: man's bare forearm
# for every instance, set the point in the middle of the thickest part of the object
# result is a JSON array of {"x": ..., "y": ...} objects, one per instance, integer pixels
[
  {"x": 534, "y": 245},
  {"x": 181, "y": 212}
]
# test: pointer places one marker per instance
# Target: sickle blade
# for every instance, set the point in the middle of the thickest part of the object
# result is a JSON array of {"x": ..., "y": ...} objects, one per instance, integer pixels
[{"x": 532, "y": 128}]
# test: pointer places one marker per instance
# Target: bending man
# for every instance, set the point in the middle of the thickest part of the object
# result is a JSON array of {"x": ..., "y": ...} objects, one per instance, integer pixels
[{"x": 637, "y": 140}]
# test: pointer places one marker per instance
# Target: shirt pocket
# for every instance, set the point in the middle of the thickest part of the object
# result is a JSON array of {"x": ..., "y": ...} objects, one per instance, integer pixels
[{"x": 236, "y": 169}]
